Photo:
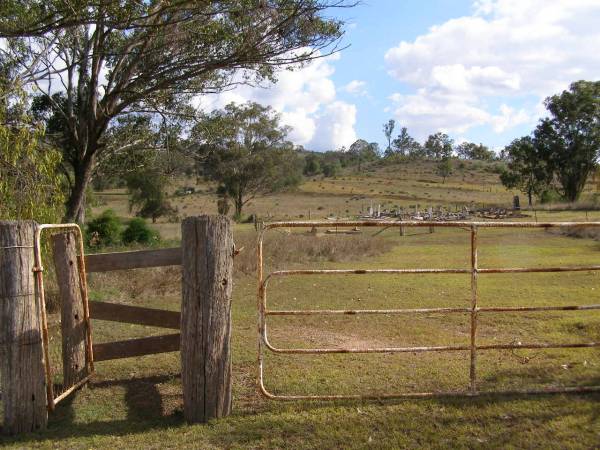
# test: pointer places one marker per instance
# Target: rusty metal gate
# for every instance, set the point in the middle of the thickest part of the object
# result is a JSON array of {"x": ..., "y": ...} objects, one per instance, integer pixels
[
  {"x": 53, "y": 398},
  {"x": 473, "y": 309}
]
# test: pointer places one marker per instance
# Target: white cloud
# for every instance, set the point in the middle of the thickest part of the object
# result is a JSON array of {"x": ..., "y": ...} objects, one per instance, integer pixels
[
  {"x": 335, "y": 127},
  {"x": 356, "y": 87},
  {"x": 508, "y": 118},
  {"x": 306, "y": 100},
  {"x": 507, "y": 49}
]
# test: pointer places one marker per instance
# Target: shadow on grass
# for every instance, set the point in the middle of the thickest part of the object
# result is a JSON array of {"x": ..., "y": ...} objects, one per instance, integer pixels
[
  {"x": 298, "y": 420},
  {"x": 144, "y": 412}
]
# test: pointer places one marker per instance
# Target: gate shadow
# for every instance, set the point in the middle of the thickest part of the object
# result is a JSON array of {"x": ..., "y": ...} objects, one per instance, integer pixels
[{"x": 146, "y": 405}]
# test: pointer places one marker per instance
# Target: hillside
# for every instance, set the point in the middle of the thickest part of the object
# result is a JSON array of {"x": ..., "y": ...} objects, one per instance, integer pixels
[{"x": 400, "y": 185}]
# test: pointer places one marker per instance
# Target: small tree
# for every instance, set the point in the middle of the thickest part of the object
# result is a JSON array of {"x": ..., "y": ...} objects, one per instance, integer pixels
[
  {"x": 312, "y": 165},
  {"x": 444, "y": 168},
  {"x": 438, "y": 146},
  {"x": 388, "y": 129},
  {"x": 243, "y": 148},
  {"x": 527, "y": 168},
  {"x": 362, "y": 151},
  {"x": 331, "y": 169},
  {"x": 406, "y": 145},
  {"x": 147, "y": 194},
  {"x": 104, "y": 230},
  {"x": 138, "y": 231},
  {"x": 470, "y": 150}
]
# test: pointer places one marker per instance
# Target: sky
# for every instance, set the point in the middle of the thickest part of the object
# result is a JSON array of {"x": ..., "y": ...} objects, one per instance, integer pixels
[{"x": 478, "y": 70}]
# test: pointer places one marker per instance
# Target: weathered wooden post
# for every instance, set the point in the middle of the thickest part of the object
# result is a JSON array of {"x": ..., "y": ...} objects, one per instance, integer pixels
[
  {"x": 22, "y": 376},
  {"x": 207, "y": 264},
  {"x": 72, "y": 317}
]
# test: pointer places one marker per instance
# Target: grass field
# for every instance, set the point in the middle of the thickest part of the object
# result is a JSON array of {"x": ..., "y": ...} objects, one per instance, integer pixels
[{"x": 137, "y": 403}]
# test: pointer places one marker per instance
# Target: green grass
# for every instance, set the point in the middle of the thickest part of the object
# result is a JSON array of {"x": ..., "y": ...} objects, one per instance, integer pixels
[{"x": 136, "y": 403}]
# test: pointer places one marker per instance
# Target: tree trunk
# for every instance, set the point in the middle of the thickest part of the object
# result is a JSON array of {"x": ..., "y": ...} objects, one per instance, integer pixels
[
  {"x": 76, "y": 202},
  {"x": 207, "y": 265},
  {"x": 529, "y": 198},
  {"x": 239, "y": 204},
  {"x": 22, "y": 375}
]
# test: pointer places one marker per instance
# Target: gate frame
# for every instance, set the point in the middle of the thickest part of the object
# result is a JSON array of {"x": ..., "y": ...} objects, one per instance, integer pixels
[
  {"x": 39, "y": 283},
  {"x": 473, "y": 310}
]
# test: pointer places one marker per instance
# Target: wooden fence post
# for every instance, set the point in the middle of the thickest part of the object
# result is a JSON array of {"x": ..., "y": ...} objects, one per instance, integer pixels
[
  {"x": 72, "y": 317},
  {"x": 207, "y": 263},
  {"x": 23, "y": 380}
]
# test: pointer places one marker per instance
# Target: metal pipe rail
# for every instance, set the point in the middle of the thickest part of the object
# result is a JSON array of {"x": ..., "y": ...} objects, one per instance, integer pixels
[{"x": 474, "y": 310}]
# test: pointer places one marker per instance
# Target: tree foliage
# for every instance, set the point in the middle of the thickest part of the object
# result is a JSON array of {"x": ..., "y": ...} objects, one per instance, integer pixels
[
  {"x": 444, "y": 168},
  {"x": 406, "y": 145},
  {"x": 438, "y": 146},
  {"x": 312, "y": 165},
  {"x": 527, "y": 168},
  {"x": 563, "y": 149},
  {"x": 244, "y": 149},
  {"x": 388, "y": 129},
  {"x": 30, "y": 187},
  {"x": 147, "y": 195},
  {"x": 361, "y": 152},
  {"x": 470, "y": 150},
  {"x": 571, "y": 136},
  {"x": 115, "y": 58}
]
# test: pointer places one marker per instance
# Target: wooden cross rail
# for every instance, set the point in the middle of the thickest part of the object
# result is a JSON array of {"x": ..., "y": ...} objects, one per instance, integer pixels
[
  {"x": 136, "y": 315},
  {"x": 104, "y": 262},
  {"x": 137, "y": 347}
]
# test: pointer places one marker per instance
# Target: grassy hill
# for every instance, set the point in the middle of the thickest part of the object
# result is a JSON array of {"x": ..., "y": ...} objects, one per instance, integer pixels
[{"x": 392, "y": 186}]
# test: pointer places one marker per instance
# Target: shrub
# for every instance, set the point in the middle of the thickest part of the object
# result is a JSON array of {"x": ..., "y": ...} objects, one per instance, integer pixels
[
  {"x": 104, "y": 230},
  {"x": 138, "y": 231},
  {"x": 549, "y": 196},
  {"x": 331, "y": 169}
]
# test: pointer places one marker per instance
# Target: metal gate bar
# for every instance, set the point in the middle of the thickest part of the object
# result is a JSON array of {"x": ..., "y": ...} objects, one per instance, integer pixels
[
  {"x": 39, "y": 279},
  {"x": 473, "y": 310}
]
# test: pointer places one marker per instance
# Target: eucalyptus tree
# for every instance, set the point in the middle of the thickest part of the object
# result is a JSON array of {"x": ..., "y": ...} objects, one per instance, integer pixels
[
  {"x": 563, "y": 149},
  {"x": 112, "y": 58},
  {"x": 571, "y": 136},
  {"x": 388, "y": 129},
  {"x": 406, "y": 145},
  {"x": 528, "y": 168},
  {"x": 438, "y": 146},
  {"x": 243, "y": 148}
]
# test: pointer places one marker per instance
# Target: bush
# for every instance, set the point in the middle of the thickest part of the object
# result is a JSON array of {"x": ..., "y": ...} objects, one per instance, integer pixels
[
  {"x": 104, "y": 230},
  {"x": 138, "y": 231},
  {"x": 331, "y": 169},
  {"x": 550, "y": 196}
]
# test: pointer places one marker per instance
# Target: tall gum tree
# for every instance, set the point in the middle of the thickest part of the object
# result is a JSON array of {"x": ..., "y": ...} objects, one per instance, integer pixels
[{"x": 112, "y": 58}]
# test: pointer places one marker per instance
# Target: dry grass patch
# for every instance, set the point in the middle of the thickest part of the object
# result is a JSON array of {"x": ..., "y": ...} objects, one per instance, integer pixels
[{"x": 285, "y": 249}]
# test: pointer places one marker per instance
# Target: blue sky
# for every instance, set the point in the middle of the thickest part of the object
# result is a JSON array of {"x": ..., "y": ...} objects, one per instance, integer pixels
[
  {"x": 476, "y": 69},
  {"x": 375, "y": 26}
]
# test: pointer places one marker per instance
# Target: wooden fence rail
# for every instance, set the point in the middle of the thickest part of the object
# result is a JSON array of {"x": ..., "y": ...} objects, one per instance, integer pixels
[
  {"x": 136, "y": 315},
  {"x": 137, "y": 347},
  {"x": 104, "y": 262}
]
